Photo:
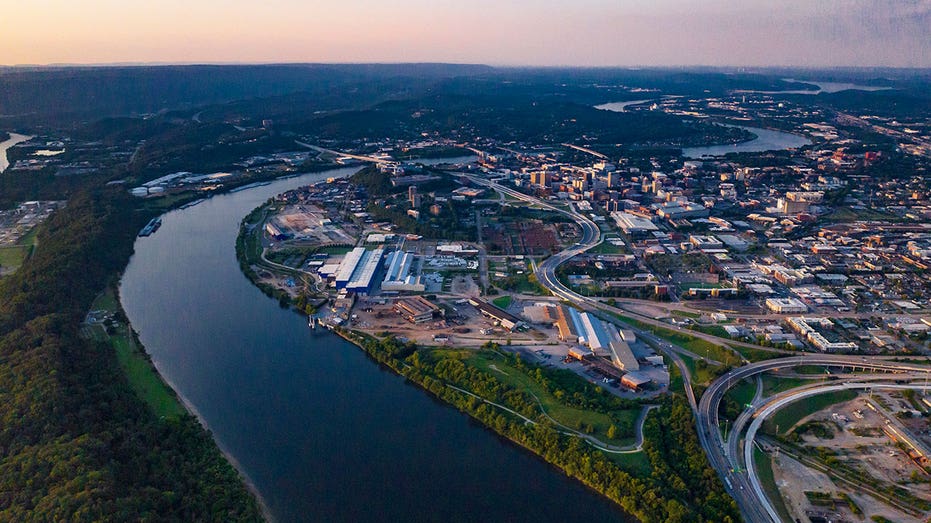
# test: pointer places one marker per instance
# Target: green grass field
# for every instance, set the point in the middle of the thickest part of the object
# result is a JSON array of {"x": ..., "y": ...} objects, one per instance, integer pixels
[
  {"x": 608, "y": 248},
  {"x": 743, "y": 392},
  {"x": 787, "y": 417},
  {"x": 773, "y": 384},
  {"x": 849, "y": 215},
  {"x": 503, "y": 302},
  {"x": 568, "y": 416},
  {"x": 764, "y": 467},
  {"x": 636, "y": 463},
  {"x": 141, "y": 374},
  {"x": 13, "y": 256},
  {"x": 700, "y": 376}
]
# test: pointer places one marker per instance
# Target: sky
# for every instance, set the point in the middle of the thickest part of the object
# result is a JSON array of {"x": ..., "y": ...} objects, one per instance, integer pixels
[{"x": 496, "y": 32}]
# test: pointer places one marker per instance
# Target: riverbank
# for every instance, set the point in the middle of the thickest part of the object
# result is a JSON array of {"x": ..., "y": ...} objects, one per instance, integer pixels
[
  {"x": 11, "y": 140},
  {"x": 637, "y": 481},
  {"x": 143, "y": 377},
  {"x": 69, "y": 403},
  {"x": 647, "y": 498}
]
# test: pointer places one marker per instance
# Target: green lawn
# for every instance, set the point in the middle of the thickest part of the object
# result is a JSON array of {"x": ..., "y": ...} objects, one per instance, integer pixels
[
  {"x": 144, "y": 379},
  {"x": 700, "y": 376},
  {"x": 568, "y": 416},
  {"x": 743, "y": 392},
  {"x": 849, "y": 215},
  {"x": 764, "y": 467},
  {"x": 685, "y": 314},
  {"x": 13, "y": 256},
  {"x": 607, "y": 248},
  {"x": 141, "y": 374},
  {"x": 773, "y": 384},
  {"x": 787, "y": 417},
  {"x": 636, "y": 463},
  {"x": 503, "y": 302}
]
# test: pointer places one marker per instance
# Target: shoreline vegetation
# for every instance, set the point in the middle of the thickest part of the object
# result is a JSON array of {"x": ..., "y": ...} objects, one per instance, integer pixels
[
  {"x": 668, "y": 480},
  {"x": 79, "y": 443}
]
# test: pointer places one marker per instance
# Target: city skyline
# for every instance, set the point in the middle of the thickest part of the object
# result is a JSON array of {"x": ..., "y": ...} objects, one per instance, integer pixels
[{"x": 552, "y": 33}]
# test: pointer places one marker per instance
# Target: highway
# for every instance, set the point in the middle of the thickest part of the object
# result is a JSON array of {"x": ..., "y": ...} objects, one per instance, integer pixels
[
  {"x": 753, "y": 479},
  {"x": 725, "y": 457}
]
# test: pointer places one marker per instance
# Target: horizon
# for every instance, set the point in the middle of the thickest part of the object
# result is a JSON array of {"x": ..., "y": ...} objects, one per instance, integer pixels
[
  {"x": 588, "y": 33},
  {"x": 631, "y": 67}
]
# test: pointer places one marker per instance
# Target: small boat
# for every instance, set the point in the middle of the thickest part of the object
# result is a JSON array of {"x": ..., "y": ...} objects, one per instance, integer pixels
[{"x": 151, "y": 227}]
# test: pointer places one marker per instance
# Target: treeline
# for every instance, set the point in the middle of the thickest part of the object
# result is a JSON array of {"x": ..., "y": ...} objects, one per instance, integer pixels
[
  {"x": 76, "y": 444},
  {"x": 682, "y": 487}
]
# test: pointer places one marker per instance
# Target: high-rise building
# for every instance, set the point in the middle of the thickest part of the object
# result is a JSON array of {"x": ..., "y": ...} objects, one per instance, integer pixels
[
  {"x": 614, "y": 179},
  {"x": 414, "y": 197},
  {"x": 540, "y": 178}
]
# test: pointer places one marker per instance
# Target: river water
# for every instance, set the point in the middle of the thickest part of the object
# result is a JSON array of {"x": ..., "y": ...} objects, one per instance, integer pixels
[
  {"x": 620, "y": 107},
  {"x": 5, "y": 145},
  {"x": 322, "y": 432},
  {"x": 766, "y": 140}
]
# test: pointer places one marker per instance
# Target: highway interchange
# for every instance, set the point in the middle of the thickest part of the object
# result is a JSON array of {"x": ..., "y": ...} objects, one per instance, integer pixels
[{"x": 733, "y": 459}]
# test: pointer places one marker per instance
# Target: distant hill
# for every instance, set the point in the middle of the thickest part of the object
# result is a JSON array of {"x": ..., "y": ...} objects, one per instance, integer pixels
[{"x": 58, "y": 96}]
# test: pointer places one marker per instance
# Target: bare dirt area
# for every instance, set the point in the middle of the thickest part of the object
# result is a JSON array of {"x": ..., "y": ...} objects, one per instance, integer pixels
[
  {"x": 462, "y": 326},
  {"x": 464, "y": 285},
  {"x": 853, "y": 433}
]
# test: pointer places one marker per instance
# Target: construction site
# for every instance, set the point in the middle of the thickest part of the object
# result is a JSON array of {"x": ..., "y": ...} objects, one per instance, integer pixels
[{"x": 857, "y": 459}]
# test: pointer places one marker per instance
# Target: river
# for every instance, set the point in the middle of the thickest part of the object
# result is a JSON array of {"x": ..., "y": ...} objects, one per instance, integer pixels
[
  {"x": 823, "y": 87},
  {"x": 620, "y": 107},
  {"x": 5, "y": 146},
  {"x": 766, "y": 140},
  {"x": 321, "y": 430}
]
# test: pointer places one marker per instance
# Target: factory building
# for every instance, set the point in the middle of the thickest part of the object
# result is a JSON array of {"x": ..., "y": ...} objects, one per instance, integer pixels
[
  {"x": 596, "y": 336},
  {"x": 363, "y": 277},
  {"x": 621, "y": 354},
  {"x": 506, "y": 320},
  {"x": 357, "y": 270},
  {"x": 398, "y": 276},
  {"x": 417, "y": 309},
  {"x": 348, "y": 266}
]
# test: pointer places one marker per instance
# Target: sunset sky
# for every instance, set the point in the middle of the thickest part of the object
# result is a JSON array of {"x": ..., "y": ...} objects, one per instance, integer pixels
[{"x": 497, "y": 32}]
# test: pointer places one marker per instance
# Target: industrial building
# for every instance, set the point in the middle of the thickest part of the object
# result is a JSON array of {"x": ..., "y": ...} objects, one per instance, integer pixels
[
  {"x": 417, "y": 309},
  {"x": 635, "y": 380},
  {"x": 398, "y": 276},
  {"x": 348, "y": 266},
  {"x": 506, "y": 320},
  {"x": 357, "y": 270},
  {"x": 621, "y": 354},
  {"x": 594, "y": 333},
  {"x": 786, "y": 305},
  {"x": 633, "y": 224}
]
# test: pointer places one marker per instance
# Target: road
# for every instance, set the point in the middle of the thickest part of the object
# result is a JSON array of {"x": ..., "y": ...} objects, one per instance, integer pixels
[
  {"x": 347, "y": 155},
  {"x": 752, "y": 477},
  {"x": 745, "y": 488},
  {"x": 727, "y": 459}
]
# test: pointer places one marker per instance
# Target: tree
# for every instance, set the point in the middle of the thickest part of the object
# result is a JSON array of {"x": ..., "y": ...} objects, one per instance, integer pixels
[{"x": 612, "y": 432}]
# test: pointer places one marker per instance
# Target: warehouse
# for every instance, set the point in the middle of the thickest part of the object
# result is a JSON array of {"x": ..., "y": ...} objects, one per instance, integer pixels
[
  {"x": 417, "y": 309},
  {"x": 364, "y": 275},
  {"x": 565, "y": 324},
  {"x": 506, "y": 320},
  {"x": 595, "y": 334},
  {"x": 348, "y": 266},
  {"x": 398, "y": 276},
  {"x": 621, "y": 354}
]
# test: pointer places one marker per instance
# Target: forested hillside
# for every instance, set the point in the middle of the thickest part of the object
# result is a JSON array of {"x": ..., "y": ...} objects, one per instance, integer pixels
[{"x": 75, "y": 443}]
